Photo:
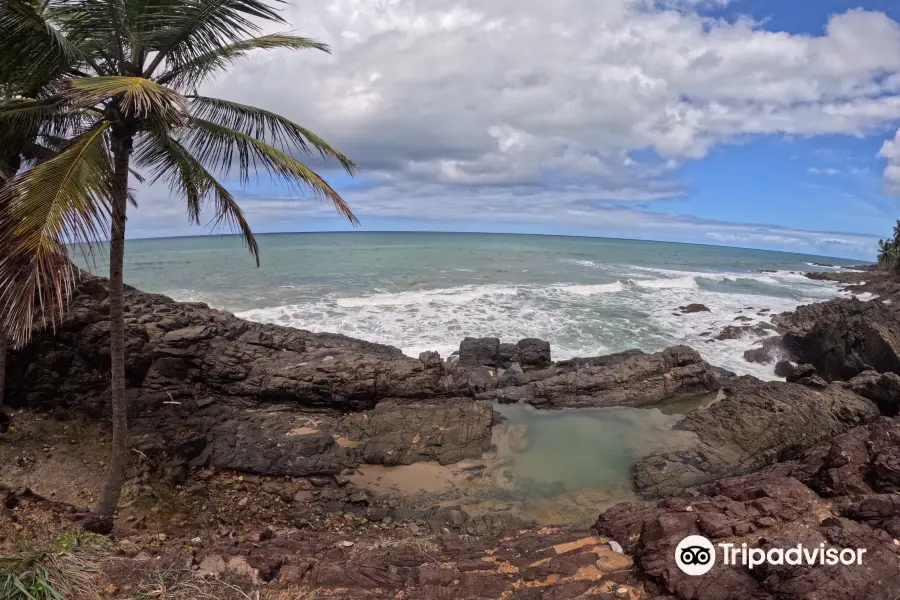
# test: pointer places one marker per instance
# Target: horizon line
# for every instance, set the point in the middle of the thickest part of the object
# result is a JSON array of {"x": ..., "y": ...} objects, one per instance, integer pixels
[{"x": 557, "y": 235}]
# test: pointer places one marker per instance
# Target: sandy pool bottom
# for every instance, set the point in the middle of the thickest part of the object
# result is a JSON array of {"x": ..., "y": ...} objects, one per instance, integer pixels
[{"x": 550, "y": 467}]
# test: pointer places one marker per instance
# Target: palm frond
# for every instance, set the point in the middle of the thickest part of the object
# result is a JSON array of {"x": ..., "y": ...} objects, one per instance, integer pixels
[
  {"x": 138, "y": 97},
  {"x": 191, "y": 28},
  {"x": 267, "y": 126},
  {"x": 64, "y": 199},
  {"x": 223, "y": 149},
  {"x": 171, "y": 162},
  {"x": 25, "y": 118},
  {"x": 32, "y": 49},
  {"x": 198, "y": 68}
]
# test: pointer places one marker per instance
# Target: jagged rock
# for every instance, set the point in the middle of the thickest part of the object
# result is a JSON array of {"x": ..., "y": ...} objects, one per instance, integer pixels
[
  {"x": 775, "y": 510},
  {"x": 756, "y": 424},
  {"x": 206, "y": 387},
  {"x": 734, "y": 513},
  {"x": 770, "y": 350},
  {"x": 882, "y": 388},
  {"x": 843, "y": 338},
  {"x": 533, "y": 352},
  {"x": 783, "y": 368},
  {"x": 862, "y": 461},
  {"x": 693, "y": 308},
  {"x": 736, "y": 332},
  {"x": 794, "y": 372},
  {"x": 480, "y": 352},
  {"x": 509, "y": 353},
  {"x": 630, "y": 378}
]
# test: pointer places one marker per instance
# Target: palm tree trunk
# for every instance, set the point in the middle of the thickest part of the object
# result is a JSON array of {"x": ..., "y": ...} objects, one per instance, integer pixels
[
  {"x": 115, "y": 475},
  {"x": 3, "y": 419}
]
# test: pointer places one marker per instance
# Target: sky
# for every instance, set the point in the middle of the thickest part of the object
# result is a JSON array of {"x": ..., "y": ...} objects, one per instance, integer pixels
[{"x": 759, "y": 123}]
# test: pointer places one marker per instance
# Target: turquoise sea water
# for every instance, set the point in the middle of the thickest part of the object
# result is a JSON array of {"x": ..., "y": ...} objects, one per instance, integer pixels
[{"x": 427, "y": 291}]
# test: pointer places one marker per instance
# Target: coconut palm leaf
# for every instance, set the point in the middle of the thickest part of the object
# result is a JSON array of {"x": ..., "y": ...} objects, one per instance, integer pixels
[
  {"x": 65, "y": 198},
  {"x": 197, "y": 69},
  {"x": 265, "y": 125},
  {"x": 116, "y": 110},
  {"x": 136, "y": 97},
  {"x": 224, "y": 149},
  {"x": 192, "y": 28},
  {"x": 23, "y": 119},
  {"x": 167, "y": 160},
  {"x": 32, "y": 49}
]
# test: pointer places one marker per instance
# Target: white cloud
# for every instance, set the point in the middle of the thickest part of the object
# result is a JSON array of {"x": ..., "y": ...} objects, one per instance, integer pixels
[
  {"x": 503, "y": 91},
  {"x": 539, "y": 105},
  {"x": 526, "y": 208},
  {"x": 891, "y": 152},
  {"x": 825, "y": 171}
]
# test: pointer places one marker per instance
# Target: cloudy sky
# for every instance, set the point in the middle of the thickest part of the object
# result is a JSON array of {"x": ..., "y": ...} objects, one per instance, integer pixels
[{"x": 761, "y": 123}]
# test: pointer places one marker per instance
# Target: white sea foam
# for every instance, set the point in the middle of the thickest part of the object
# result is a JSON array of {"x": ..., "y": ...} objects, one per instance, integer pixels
[
  {"x": 688, "y": 282},
  {"x": 583, "y": 263},
  {"x": 460, "y": 295},
  {"x": 592, "y": 290},
  {"x": 577, "y": 319}
]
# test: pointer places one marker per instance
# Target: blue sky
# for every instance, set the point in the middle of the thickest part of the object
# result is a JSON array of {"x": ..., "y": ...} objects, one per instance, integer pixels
[{"x": 756, "y": 123}]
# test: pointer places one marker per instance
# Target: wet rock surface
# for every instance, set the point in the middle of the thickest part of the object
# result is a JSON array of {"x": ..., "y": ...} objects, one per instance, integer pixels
[
  {"x": 840, "y": 494},
  {"x": 207, "y": 388},
  {"x": 754, "y": 425},
  {"x": 843, "y": 338},
  {"x": 631, "y": 378}
]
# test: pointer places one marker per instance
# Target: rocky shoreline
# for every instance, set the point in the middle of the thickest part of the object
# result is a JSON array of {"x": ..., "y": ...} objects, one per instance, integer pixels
[{"x": 297, "y": 416}]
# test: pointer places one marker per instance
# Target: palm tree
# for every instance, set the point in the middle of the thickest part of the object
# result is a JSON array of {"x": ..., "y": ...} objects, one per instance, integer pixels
[
  {"x": 128, "y": 75},
  {"x": 22, "y": 145}
]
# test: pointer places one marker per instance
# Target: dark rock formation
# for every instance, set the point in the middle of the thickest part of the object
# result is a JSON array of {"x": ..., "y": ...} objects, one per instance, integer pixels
[
  {"x": 480, "y": 352},
  {"x": 843, "y": 338},
  {"x": 882, "y": 388},
  {"x": 630, "y": 378},
  {"x": 736, "y": 332},
  {"x": 693, "y": 308},
  {"x": 533, "y": 352},
  {"x": 208, "y": 388},
  {"x": 770, "y": 350},
  {"x": 783, "y": 368},
  {"x": 755, "y": 425},
  {"x": 841, "y": 494},
  {"x": 509, "y": 353},
  {"x": 793, "y": 372}
]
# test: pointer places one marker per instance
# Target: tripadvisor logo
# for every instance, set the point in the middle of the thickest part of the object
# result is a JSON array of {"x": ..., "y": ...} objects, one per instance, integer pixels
[{"x": 695, "y": 555}]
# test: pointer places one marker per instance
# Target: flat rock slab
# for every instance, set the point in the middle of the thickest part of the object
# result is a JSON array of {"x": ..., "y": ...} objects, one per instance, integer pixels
[
  {"x": 630, "y": 378},
  {"x": 755, "y": 425}
]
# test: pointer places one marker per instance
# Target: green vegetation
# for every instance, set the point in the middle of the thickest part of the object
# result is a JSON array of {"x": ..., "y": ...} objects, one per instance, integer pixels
[
  {"x": 110, "y": 91},
  {"x": 47, "y": 576},
  {"x": 889, "y": 250}
]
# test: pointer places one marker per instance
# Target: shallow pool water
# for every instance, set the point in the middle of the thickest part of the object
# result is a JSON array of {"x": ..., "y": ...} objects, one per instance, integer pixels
[
  {"x": 550, "y": 467},
  {"x": 576, "y": 449}
]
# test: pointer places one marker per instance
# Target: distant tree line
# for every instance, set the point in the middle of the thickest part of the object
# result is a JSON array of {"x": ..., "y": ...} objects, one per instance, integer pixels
[{"x": 889, "y": 250}]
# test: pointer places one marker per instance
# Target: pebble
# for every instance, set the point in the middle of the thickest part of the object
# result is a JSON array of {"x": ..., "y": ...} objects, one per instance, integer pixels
[
  {"x": 346, "y": 543},
  {"x": 616, "y": 547},
  {"x": 622, "y": 592}
]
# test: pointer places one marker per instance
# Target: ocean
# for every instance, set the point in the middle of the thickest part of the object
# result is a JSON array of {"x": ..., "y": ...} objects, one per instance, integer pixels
[{"x": 427, "y": 291}]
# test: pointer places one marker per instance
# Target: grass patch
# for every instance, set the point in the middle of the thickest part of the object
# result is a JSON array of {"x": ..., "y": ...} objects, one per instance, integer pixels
[
  {"x": 48, "y": 576},
  {"x": 170, "y": 583}
]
